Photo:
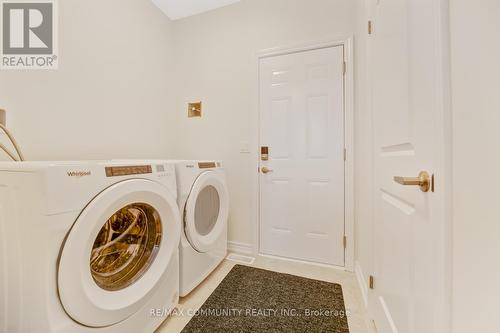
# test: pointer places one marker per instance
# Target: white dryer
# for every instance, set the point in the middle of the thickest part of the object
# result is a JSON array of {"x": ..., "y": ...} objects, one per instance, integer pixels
[
  {"x": 204, "y": 204},
  {"x": 87, "y": 246}
]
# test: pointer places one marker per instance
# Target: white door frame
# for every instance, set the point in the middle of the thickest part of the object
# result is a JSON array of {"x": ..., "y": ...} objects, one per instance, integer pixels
[{"x": 347, "y": 43}]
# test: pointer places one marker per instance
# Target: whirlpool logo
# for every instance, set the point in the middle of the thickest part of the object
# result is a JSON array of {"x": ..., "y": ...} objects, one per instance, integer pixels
[
  {"x": 79, "y": 174},
  {"x": 29, "y": 34}
]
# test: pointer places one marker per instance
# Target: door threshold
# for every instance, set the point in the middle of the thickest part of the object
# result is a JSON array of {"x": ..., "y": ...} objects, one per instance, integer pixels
[{"x": 300, "y": 261}]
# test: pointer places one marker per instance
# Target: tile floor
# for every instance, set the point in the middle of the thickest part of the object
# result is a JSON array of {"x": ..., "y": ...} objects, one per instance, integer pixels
[{"x": 358, "y": 319}]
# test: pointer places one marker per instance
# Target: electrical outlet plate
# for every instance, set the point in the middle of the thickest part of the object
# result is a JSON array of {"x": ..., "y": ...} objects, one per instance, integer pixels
[
  {"x": 244, "y": 147},
  {"x": 3, "y": 117}
]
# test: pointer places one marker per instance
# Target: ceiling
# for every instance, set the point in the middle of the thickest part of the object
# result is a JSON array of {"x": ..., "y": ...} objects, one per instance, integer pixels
[{"x": 177, "y": 9}]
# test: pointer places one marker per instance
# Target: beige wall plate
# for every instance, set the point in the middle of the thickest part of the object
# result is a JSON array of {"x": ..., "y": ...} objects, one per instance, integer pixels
[
  {"x": 194, "y": 109},
  {"x": 3, "y": 117}
]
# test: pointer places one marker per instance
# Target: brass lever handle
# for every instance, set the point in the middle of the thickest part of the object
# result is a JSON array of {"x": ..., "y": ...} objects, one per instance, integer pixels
[
  {"x": 423, "y": 181},
  {"x": 266, "y": 170}
]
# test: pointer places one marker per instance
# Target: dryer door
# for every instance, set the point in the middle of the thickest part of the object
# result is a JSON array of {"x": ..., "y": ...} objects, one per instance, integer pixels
[
  {"x": 117, "y": 251},
  {"x": 206, "y": 211}
]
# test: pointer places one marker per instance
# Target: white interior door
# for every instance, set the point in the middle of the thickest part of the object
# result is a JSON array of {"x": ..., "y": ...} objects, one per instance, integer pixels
[
  {"x": 302, "y": 124},
  {"x": 407, "y": 97}
]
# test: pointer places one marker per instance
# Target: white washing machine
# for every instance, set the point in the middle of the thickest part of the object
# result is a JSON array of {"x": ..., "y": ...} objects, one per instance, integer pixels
[
  {"x": 204, "y": 204},
  {"x": 87, "y": 246}
]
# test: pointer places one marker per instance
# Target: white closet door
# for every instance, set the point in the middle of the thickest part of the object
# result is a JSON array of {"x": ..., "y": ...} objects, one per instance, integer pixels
[{"x": 407, "y": 94}]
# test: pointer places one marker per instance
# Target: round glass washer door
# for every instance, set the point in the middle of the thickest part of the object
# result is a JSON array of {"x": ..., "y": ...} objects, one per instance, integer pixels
[
  {"x": 126, "y": 246},
  {"x": 206, "y": 211},
  {"x": 117, "y": 252}
]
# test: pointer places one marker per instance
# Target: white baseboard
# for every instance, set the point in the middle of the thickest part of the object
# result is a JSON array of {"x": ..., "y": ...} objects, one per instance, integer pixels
[
  {"x": 241, "y": 248},
  {"x": 241, "y": 259},
  {"x": 362, "y": 282}
]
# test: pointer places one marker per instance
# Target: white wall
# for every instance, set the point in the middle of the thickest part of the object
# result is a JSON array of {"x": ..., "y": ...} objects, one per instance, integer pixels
[
  {"x": 475, "y": 51},
  {"x": 110, "y": 96},
  {"x": 216, "y": 62}
]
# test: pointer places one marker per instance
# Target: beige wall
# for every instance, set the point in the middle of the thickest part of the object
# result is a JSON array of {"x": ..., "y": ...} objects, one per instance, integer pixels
[
  {"x": 126, "y": 73},
  {"x": 475, "y": 51},
  {"x": 215, "y": 59},
  {"x": 109, "y": 98}
]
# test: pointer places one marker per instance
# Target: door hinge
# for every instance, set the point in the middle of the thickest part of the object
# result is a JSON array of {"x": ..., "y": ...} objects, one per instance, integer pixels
[
  {"x": 370, "y": 27},
  {"x": 345, "y": 154},
  {"x": 371, "y": 282},
  {"x": 345, "y": 242},
  {"x": 344, "y": 69}
]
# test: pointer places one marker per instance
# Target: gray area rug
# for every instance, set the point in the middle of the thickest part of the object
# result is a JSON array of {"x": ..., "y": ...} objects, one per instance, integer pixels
[{"x": 256, "y": 300}]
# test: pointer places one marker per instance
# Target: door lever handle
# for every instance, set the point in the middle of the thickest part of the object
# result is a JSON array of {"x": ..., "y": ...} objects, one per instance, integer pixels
[
  {"x": 423, "y": 181},
  {"x": 266, "y": 170}
]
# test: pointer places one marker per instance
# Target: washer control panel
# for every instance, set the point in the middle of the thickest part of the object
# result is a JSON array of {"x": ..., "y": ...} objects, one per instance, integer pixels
[{"x": 117, "y": 171}]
